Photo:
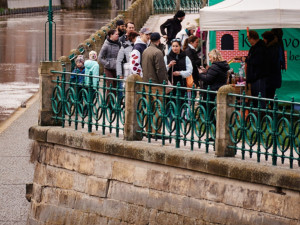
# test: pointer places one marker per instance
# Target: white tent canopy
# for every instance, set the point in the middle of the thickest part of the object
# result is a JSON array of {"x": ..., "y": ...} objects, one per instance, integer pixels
[{"x": 255, "y": 14}]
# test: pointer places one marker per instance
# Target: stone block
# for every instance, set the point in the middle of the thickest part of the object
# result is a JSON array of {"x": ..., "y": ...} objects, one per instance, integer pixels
[
  {"x": 123, "y": 172},
  {"x": 79, "y": 182},
  {"x": 90, "y": 204},
  {"x": 159, "y": 180},
  {"x": 114, "y": 222},
  {"x": 250, "y": 217},
  {"x": 197, "y": 187},
  {"x": 96, "y": 186},
  {"x": 40, "y": 174},
  {"x": 166, "y": 218},
  {"x": 128, "y": 193},
  {"x": 235, "y": 195},
  {"x": 38, "y": 133},
  {"x": 253, "y": 200},
  {"x": 160, "y": 200},
  {"x": 193, "y": 208},
  {"x": 176, "y": 158},
  {"x": 51, "y": 195},
  {"x": 273, "y": 203},
  {"x": 179, "y": 184},
  {"x": 64, "y": 179},
  {"x": 214, "y": 191},
  {"x": 141, "y": 177},
  {"x": 269, "y": 219},
  {"x": 86, "y": 165},
  {"x": 292, "y": 206},
  {"x": 114, "y": 209},
  {"x": 189, "y": 221},
  {"x": 67, "y": 198},
  {"x": 102, "y": 167}
]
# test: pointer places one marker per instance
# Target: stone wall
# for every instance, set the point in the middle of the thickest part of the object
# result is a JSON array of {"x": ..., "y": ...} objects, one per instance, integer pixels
[{"x": 83, "y": 178}]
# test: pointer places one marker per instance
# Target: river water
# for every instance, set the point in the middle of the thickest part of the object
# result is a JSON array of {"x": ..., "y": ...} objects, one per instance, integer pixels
[{"x": 22, "y": 47}]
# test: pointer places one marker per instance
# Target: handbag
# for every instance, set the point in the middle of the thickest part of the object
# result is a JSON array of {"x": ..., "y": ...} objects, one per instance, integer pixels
[{"x": 189, "y": 81}]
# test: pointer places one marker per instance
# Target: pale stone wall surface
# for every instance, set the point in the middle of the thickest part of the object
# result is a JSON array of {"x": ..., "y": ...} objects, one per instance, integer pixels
[{"x": 85, "y": 178}]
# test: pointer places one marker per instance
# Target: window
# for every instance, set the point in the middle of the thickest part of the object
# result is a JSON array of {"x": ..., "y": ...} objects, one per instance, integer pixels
[{"x": 227, "y": 42}]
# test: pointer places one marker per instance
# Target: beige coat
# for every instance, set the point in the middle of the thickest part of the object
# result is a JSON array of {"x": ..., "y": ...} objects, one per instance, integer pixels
[{"x": 153, "y": 65}]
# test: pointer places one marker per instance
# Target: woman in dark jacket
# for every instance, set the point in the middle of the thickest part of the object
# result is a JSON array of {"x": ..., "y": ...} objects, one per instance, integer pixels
[
  {"x": 216, "y": 75},
  {"x": 189, "y": 47}
]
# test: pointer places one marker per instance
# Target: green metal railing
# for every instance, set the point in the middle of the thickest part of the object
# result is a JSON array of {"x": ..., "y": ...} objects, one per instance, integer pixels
[
  {"x": 169, "y": 6},
  {"x": 265, "y": 127},
  {"x": 83, "y": 104},
  {"x": 177, "y": 116}
]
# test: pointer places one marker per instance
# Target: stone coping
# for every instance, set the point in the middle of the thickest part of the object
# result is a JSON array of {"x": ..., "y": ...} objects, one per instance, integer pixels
[{"x": 169, "y": 156}]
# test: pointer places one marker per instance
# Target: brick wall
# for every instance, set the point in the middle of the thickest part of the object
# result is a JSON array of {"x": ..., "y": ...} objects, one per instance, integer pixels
[{"x": 88, "y": 179}]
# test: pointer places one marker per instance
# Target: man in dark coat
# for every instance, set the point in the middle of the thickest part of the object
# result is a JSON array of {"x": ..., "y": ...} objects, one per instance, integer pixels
[
  {"x": 256, "y": 65},
  {"x": 173, "y": 26},
  {"x": 273, "y": 66}
]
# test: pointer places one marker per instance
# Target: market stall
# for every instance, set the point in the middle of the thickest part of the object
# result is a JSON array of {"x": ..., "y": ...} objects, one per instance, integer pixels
[{"x": 228, "y": 20}]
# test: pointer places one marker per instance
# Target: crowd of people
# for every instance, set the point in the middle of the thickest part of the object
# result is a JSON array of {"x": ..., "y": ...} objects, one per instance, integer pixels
[{"x": 126, "y": 52}]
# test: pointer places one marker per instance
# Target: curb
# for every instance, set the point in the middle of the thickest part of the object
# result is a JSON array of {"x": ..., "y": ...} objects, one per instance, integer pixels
[{"x": 18, "y": 112}]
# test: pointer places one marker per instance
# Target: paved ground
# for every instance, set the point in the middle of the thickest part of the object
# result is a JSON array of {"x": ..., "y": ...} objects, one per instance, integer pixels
[{"x": 15, "y": 169}]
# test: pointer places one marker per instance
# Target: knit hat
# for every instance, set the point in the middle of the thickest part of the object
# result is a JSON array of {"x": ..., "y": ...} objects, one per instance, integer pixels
[
  {"x": 190, "y": 26},
  {"x": 120, "y": 22},
  {"x": 145, "y": 30},
  {"x": 155, "y": 36},
  {"x": 180, "y": 13},
  {"x": 79, "y": 58},
  {"x": 93, "y": 55}
]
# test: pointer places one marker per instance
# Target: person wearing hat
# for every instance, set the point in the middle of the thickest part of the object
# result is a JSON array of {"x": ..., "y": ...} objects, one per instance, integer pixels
[
  {"x": 120, "y": 27},
  {"x": 154, "y": 68},
  {"x": 173, "y": 26},
  {"x": 136, "y": 55},
  {"x": 79, "y": 69},
  {"x": 185, "y": 33},
  {"x": 153, "y": 64}
]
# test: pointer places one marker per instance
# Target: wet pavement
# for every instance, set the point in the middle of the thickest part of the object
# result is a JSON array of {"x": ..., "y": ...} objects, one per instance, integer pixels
[{"x": 22, "y": 47}]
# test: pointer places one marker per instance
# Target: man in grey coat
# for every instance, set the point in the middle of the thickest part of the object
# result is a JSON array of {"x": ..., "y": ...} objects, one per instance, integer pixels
[{"x": 154, "y": 68}]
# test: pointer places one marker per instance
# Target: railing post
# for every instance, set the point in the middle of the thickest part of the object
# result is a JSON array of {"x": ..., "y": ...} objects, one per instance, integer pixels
[
  {"x": 223, "y": 117},
  {"x": 177, "y": 5},
  {"x": 131, "y": 100},
  {"x": 45, "y": 92}
]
